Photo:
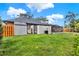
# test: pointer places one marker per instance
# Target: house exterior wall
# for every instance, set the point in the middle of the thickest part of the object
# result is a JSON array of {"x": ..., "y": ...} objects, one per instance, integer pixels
[
  {"x": 42, "y": 28},
  {"x": 20, "y": 28}
]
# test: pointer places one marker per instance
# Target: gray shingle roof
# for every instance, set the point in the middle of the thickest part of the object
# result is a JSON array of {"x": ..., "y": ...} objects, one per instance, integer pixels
[{"x": 30, "y": 21}]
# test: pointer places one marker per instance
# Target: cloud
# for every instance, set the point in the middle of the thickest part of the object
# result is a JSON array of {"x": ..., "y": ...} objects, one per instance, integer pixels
[
  {"x": 54, "y": 17},
  {"x": 13, "y": 12},
  {"x": 40, "y": 6}
]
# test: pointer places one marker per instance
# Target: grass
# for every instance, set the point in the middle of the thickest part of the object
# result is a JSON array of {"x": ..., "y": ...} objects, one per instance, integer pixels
[{"x": 59, "y": 44}]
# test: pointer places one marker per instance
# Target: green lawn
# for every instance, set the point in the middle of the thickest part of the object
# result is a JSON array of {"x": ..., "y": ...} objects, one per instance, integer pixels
[{"x": 64, "y": 44}]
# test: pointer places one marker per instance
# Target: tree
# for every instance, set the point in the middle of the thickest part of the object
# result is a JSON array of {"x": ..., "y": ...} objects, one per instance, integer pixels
[
  {"x": 70, "y": 19},
  {"x": 41, "y": 19},
  {"x": 77, "y": 27},
  {"x": 76, "y": 24}
]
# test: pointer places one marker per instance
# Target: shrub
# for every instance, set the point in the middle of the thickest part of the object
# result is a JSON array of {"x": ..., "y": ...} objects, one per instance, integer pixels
[{"x": 1, "y": 30}]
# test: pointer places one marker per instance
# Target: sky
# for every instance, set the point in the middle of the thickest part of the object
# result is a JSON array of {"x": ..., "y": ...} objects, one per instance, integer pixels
[{"x": 54, "y": 12}]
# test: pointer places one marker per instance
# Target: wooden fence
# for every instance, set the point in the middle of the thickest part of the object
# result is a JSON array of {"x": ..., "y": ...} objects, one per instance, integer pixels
[
  {"x": 67, "y": 30},
  {"x": 8, "y": 30}
]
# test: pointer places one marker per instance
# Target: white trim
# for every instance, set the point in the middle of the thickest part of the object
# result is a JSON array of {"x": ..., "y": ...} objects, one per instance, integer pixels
[{"x": 38, "y": 29}]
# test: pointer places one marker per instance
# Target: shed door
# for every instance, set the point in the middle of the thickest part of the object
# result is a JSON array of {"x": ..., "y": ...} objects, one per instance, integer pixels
[{"x": 20, "y": 30}]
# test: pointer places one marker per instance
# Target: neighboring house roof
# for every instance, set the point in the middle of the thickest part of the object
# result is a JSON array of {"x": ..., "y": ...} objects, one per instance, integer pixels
[
  {"x": 57, "y": 26},
  {"x": 8, "y": 21}
]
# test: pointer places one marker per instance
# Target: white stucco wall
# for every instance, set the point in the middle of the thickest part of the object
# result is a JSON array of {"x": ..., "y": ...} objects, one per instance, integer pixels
[
  {"x": 20, "y": 28},
  {"x": 42, "y": 28}
]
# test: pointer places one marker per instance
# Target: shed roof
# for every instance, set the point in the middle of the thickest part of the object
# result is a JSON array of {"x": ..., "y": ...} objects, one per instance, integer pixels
[
  {"x": 31, "y": 21},
  {"x": 27, "y": 20}
]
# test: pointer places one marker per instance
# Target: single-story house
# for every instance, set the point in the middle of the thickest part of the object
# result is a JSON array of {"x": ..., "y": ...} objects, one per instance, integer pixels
[
  {"x": 57, "y": 28},
  {"x": 24, "y": 25}
]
